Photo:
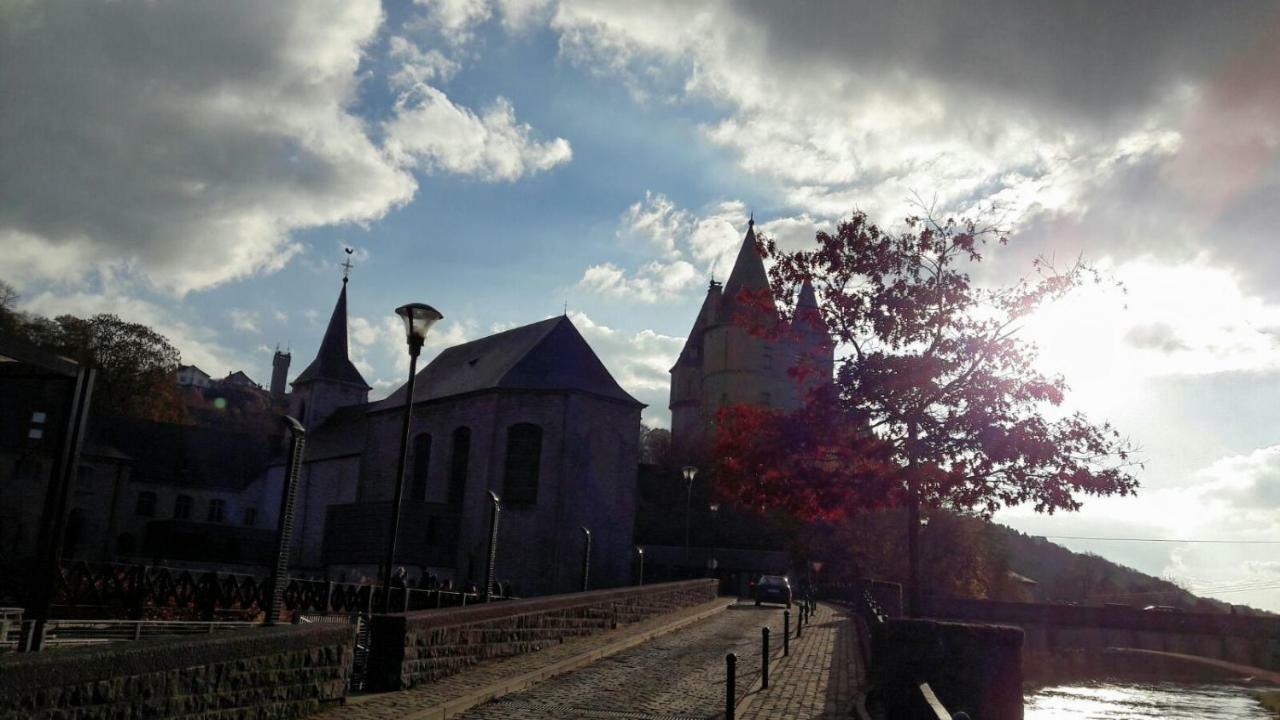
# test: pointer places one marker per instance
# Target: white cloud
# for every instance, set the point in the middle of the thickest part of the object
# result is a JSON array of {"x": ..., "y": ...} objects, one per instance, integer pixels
[
  {"x": 678, "y": 236},
  {"x": 419, "y": 66},
  {"x": 456, "y": 19},
  {"x": 245, "y": 320},
  {"x": 639, "y": 361},
  {"x": 184, "y": 142},
  {"x": 429, "y": 132},
  {"x": 380, "y": 346}
]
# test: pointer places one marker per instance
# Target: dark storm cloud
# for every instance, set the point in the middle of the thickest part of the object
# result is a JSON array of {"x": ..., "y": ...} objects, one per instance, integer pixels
[{"x": 1081, "y": 59}]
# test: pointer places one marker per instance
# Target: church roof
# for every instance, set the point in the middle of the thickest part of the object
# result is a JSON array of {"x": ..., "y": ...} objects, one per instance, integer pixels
[
  {"x": 748, "y": 271},
  {"x": 332, "y": 361},
  {"x": 546, "y": 355}
]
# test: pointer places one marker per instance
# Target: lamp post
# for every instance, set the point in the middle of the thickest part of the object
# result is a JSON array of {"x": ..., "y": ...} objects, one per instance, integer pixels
[
  {"x": 689, "y": 472},
  {"x": 715, "y": 532},
  {"x": 495, "y": 508},
  {"x": 640, "y": 550},
  {"x": 586, "y": 558},
  {"x": 418, "y": 319}
]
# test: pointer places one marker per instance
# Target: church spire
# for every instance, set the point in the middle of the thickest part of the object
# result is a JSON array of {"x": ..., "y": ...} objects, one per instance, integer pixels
[
  {"x": 332, "y": 361},
  {"x": 808, "y": 317}
]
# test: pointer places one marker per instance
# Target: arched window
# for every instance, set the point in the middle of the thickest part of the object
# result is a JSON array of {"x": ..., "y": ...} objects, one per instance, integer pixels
[
  {"x": 146, "y": 504},
  {"x": 458, "y": 465},
  {"x": 524, "y": 458},
  {"x": 421, "y": 466}
]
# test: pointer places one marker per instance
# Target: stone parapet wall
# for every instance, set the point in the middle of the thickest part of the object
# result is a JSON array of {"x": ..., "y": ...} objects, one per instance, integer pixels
[
  {"x": 278, "y": 673},
  {"x": 419, "y": 647},
  {"x": 972, "y": 668}
]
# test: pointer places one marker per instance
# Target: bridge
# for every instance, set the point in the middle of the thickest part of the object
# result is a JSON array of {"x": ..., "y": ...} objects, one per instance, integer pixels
[
  {"x": 657, "y": 651},
  {"x": 1079, "y": 634}
]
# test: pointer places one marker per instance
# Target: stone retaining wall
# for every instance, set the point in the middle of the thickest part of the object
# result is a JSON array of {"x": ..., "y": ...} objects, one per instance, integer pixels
[
  {"x": 277, "y": 673},
  {"x": 972, "y": 668},
  {"x": 418, "y": 647}
]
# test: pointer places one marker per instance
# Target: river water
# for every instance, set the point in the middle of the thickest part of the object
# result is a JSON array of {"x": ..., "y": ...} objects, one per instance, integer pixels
[{"x": 1135, "y": 701}]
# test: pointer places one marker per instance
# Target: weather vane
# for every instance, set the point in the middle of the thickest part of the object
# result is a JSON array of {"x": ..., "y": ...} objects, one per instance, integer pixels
[{"x": 346, "y": 265}]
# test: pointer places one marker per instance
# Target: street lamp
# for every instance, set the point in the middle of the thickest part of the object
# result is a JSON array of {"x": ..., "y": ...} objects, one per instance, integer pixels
[
  {"x": 418, "y": 319},
  {"x": 689, "y": 472},
  {"x": 715, "y": 532},
  {"x": 640, "y": 550},
  {"x": 495, "y": 507},
  {"x": 586, "y": 558}
]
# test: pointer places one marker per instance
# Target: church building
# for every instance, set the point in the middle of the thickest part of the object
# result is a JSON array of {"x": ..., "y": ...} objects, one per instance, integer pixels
[
  {"x": 727, "y": 360},
  {"x": 529, "y": 414}
]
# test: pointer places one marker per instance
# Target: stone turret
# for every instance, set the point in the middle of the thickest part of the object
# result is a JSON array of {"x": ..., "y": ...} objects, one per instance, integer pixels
[
  {"x": 814, "y": 350},
  {"x": 279, "y": 373},
  {"x": 331, "y": 380}
]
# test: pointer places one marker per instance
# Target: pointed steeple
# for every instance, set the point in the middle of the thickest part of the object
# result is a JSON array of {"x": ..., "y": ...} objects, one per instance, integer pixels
[
  {"x": 332, "y": 361},
  {"x": 748, "y": 271},
  {"x": 808, "y": 317}
]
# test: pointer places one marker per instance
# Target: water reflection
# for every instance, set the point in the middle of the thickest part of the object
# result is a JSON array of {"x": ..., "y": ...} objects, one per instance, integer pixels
[{"x": 1133, "y": 701}]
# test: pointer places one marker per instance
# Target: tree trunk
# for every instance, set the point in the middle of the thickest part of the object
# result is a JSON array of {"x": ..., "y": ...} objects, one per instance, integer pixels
[{"x": 913, "y": 526}]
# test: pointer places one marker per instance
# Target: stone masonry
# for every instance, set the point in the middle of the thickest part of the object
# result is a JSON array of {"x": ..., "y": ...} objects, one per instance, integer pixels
[
  {"x": 276, "y": 673},
  {"x": 420, "y": 647}
]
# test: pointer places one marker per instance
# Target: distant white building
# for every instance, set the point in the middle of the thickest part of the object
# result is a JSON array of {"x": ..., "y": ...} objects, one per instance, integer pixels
[{"x": 192, "y": 376}]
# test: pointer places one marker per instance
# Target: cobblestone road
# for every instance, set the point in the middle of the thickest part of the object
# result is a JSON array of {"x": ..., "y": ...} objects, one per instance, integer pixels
[{"x": 677, "y": 676}]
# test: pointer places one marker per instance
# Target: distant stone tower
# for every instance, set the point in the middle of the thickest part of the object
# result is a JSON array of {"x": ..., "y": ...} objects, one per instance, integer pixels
[
  {"x": 723, "y": 363},
  {"x": 331, "y": 380},
  {"x": 279, "y": 373}
]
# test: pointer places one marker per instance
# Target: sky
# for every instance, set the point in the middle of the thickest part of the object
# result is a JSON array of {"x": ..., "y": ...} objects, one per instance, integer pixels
[{"x": 200, "y": 167}]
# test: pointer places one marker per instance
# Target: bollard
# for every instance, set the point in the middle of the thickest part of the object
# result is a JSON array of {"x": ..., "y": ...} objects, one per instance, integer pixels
[
  {"x": 800, "y": 624},
  {"x": 730, "y": 685},
  {"x": 764, "y": 658},
  {"x": 786, "y": 633}
]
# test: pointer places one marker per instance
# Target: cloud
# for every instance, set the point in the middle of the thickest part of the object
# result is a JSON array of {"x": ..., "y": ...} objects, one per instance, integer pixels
[
  {"x": 379, "y": 346},
  {"x": 245, "y": 320},
  {"x": 681, "y": 239},
  {"x": 639, "y": 361},
  {"x": 431, "y": 133},
  {"x": 1250, "y": 483},
  {"x": 184, "y": 142},
  {"x": 1156, "y": 336}
]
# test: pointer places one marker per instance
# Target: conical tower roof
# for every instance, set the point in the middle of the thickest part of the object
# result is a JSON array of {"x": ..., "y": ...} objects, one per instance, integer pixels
[
  {"x": 332, "y": 361},
  {"x": 747, "y": 274},
  {"x": 808, "y": 318},
  {"x": 691, "y": 353}
]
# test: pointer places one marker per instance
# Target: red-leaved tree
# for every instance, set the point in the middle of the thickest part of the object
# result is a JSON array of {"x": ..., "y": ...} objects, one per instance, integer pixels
[{"x": 935, "y": 399}]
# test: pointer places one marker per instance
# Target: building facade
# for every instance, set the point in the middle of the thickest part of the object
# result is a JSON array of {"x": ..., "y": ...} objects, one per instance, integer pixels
[{"x": 740, "y": 349}]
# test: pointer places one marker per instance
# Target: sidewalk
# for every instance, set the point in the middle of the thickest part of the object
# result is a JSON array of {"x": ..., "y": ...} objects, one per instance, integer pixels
[
  {"x": 819, "y": 679},
  {"x": 455, "y": 694}
]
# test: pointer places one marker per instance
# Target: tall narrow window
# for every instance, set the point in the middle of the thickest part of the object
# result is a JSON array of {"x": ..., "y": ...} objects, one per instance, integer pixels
[
  {"x": 217, "y": 510},
  {"x": 146, "y": 506},
  {"x": 524, "y": 458},
  {"x": 182, "y": 507},
  {"x": 421, "y": 466},
  {"x": 458, "y": 465}
]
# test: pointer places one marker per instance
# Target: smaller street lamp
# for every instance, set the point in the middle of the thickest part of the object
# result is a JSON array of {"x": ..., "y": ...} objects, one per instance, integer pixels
[
  {"x": 715, "y": 532},
  {"x": 690, "y": 472},
  {"x": 640, "y": 551},
  {"x": 586, "y": 557}
]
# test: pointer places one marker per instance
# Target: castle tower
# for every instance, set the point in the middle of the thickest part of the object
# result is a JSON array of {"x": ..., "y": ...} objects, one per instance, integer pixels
[
  {"x": 724, "y": 363},
  {"x": 279, "y": 373},
  {"x": 330, "y": 381}
]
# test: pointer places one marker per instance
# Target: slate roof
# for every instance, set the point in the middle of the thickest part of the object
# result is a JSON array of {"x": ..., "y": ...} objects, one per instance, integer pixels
[
  {"x": 185, "y": 455},
  {"x": 747, "y": 274},
  {"x": 341, "y": 434},
  {"x": 546, "y": 355},
  {"x": 332, "y": 361}
]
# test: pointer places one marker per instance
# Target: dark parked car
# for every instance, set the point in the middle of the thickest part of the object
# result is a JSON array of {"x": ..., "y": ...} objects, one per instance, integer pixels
[{"x": 773, "y": 588}]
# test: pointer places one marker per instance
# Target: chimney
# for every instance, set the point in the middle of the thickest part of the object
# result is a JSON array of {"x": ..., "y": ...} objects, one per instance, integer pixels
[{"x": 279, "y": 373}]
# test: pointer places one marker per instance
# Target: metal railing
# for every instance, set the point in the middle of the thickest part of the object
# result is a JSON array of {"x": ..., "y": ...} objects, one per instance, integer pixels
[{"x": 63, "y": 633}]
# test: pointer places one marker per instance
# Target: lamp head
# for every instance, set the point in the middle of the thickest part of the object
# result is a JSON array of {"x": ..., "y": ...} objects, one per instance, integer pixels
[
  {"x": 690, "y": 472},
  {"x": 715, "y": 507},
  {"x": 418, "y": 319}
]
